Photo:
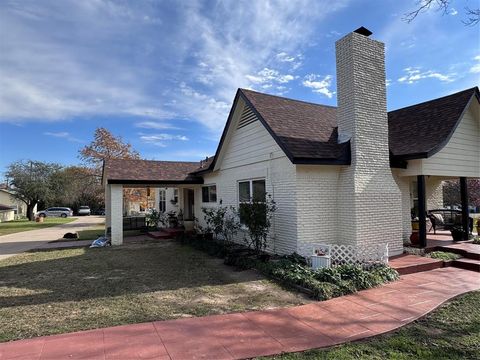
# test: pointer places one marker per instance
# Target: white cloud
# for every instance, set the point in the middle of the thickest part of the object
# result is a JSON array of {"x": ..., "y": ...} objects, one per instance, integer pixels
[
  {"x": 156, "y": 125},
  {"x": 64, "y": 135},
  {"x": 476, "y": 68},
  {"x": 294, "y": 61},
  {"x": 453, "y": 12},
  {"x": 128, "y": 60},
  {"x": 268, "y": 76},
  {"x": 284, "y": 57},
  {"x": 319, "y": 84},
  {"x": 161, "y": 139},
  {"x": 415, "y": 74}
]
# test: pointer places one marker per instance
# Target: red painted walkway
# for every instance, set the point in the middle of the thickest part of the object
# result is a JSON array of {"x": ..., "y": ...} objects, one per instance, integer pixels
[{"x": 245, "y": 335}]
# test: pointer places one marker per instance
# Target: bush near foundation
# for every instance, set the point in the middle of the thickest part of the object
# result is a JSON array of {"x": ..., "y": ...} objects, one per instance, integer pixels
[{"x": 292, "y": 270}]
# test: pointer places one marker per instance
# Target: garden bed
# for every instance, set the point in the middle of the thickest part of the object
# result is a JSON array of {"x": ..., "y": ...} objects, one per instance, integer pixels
[{"x": 292, "y": 271}]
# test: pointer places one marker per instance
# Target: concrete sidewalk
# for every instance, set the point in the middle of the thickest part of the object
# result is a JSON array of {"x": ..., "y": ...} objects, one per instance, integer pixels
[
  {"x": 251, "y": 334},
  {"x": 13, "y": 244}
]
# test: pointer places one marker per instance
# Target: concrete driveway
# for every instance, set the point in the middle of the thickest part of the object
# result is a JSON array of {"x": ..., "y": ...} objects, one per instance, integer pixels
[{"x": 13, "y": 244}]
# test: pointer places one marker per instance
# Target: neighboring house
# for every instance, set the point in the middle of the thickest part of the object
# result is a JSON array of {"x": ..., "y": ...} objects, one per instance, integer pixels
[
  {"x": 7, "y": 213},
  {"x": 347, "y": 175},
  {"x": 19, "y": 207}
]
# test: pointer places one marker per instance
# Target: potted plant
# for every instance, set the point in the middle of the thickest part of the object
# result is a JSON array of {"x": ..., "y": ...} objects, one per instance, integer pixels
[
  {"x": 457, "y": 233},
  {"x": 321, "y": 257}
]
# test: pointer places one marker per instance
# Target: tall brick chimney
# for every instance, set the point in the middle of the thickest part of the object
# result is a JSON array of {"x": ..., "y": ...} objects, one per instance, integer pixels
[{"x": 369, "y": 199}]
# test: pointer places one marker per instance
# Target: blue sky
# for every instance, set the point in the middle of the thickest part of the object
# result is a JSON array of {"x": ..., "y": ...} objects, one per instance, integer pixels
[{"x": 163, "y": 74}]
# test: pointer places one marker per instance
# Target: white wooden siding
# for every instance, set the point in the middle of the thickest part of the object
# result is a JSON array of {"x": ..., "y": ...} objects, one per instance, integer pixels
[{"x": 461, "y": 156}]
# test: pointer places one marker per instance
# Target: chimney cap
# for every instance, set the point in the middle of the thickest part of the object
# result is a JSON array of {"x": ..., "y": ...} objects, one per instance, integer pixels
[{"x": 363, "y": 31}]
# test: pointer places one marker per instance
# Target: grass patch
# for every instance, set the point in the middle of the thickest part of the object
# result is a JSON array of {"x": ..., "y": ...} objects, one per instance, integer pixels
[
  {"x": 443, "y": 255},
  {"x": 450, "y": 332},
  {"x": 15, "y": 226},
  {"x": 57, "y": 291}
]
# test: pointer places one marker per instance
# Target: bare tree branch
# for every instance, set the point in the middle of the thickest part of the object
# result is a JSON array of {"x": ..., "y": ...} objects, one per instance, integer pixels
[
  {"x": 424, "y": 5},
  {"x": 473, "y": 17}
]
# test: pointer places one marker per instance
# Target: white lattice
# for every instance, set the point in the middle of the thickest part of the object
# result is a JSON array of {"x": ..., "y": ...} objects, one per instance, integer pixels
[{"x": 348, "y": 254}]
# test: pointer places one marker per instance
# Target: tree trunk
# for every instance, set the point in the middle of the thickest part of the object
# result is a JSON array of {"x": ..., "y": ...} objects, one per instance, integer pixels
[{"x": 30, "y": 214}]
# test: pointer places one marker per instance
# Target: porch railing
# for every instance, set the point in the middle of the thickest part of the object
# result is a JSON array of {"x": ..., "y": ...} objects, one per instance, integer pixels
[{"x": 134, "y": 223}]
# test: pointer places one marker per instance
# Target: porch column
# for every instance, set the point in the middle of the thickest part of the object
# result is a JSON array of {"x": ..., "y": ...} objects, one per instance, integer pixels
[
  {"x": 422, "y": 224},
  {"x": 464, "y": 200},
  {"x": 116, "y": 214},
  {"x": 108, "y": 209}
]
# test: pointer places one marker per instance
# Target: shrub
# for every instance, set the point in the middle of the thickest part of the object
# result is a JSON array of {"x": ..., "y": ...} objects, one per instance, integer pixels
[
  {"x": 256, "y": 215},
  {"x": 476, "y": 239},
  {"x": 443, "y": 255}
]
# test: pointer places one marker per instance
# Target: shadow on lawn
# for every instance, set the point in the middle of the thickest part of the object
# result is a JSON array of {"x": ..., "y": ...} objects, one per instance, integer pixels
[{"x": 81, "y": 274}]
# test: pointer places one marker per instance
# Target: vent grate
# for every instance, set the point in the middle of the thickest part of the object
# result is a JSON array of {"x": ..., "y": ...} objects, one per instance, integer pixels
[{"x": 247, "y": 118}]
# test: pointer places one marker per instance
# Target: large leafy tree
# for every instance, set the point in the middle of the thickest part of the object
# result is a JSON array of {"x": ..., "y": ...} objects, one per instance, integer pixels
[
  {"x": 76, "y": 186},
  {"x": 105, "y": 146},
  {"x": 451, "y": 192},
  {"x": 33, "y": 182}
]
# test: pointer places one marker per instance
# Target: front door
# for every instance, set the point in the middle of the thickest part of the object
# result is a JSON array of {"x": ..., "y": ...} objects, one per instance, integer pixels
[{"x": 189, "y": 202}]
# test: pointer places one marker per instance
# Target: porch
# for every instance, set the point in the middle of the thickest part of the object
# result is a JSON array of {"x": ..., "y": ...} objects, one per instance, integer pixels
[
  {"x": 168, "y": 187},
  {"x": 423, "y": 194}
]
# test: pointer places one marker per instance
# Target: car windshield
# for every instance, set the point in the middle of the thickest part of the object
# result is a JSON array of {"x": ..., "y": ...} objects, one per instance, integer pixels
[{"x": 84, "y": 207}]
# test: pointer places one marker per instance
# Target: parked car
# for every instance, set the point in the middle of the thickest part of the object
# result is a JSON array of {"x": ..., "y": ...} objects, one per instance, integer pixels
[
  {"x": 56, "y": 212},
  {"x": 84, "y": 210}
]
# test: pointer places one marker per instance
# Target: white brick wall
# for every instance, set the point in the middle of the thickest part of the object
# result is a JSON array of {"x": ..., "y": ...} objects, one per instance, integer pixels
[
  {"x": 434, "y": 192},
  {"x": 316, "y": 206},
  {"x": 369, "y": 200},
  {"x": 404, "y": 184}
]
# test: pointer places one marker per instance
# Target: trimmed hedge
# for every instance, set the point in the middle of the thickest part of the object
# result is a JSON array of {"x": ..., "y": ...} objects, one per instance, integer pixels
[{"x": 293, "y": 271}]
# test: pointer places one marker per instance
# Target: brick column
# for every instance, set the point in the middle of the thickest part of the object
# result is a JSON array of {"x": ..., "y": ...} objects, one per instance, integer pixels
[{"x": 116, "y": 213}]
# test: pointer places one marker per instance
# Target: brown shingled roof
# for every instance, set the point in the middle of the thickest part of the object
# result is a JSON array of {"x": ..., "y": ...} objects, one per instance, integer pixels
[
  {"x": 306, "y": 132},
  {"x": 150, "y": 171},
  {"x": 419, "y": 131}
]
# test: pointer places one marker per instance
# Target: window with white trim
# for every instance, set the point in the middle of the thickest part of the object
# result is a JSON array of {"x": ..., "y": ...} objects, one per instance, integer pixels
[
  {"x": 175, "y": 196},
  {"x": 251, "y": 190},
  {"x": 162, "y": 203},
  {"x": 209, "y": 193}
]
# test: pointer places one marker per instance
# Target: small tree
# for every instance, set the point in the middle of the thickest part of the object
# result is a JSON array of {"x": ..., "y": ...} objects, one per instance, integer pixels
[
  {"x": 222, "y": 221},
  {"x": 34, "y": 182},
  {"x": 256, "y": 215},
  {"x": 231, "y": 224},
  {"x": 214, "y": 218}
]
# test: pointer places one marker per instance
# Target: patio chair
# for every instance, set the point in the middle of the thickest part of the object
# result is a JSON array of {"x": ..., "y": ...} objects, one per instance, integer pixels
[{"x": 436, "y": 220}]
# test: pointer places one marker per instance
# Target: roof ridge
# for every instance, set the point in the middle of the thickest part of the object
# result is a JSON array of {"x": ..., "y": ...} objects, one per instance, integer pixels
[
  {"x": 286, "y": 98},
  {"x": 474, "y": 89},
  {"x": 163, "y": 161}
]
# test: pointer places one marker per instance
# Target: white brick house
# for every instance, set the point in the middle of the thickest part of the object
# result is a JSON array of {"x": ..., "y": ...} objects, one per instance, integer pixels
[{"x": 338, "y": 175}]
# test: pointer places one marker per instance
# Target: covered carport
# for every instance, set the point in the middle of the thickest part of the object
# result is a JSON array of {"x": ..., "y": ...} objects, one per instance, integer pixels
[{"x": 119, "y": 174}]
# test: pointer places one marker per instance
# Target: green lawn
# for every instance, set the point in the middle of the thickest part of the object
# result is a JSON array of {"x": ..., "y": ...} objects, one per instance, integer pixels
[
  {"x": 450, "y": 332},
  {"x": 57, "y": 291},
  {"x": 15, "y": 226}
]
